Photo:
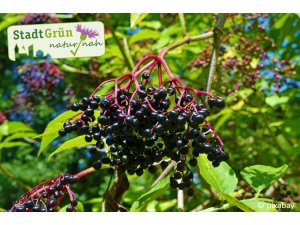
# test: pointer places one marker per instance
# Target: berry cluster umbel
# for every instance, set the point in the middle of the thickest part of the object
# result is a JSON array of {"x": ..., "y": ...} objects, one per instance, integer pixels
[
  {"x": 46, "y": 196},
  {"x": 143, "y": 125}
]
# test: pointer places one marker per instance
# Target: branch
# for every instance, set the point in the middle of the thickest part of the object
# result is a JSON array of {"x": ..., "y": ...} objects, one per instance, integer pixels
[
  {"x": 182, "y": 22},
  {"x": 217, "y": 36},
  {"x": 180, "y": 199},
  {"x": 165, "y": 173},
  {"x": 13, "y": 177},
  {"x": 185, "y": 40}
]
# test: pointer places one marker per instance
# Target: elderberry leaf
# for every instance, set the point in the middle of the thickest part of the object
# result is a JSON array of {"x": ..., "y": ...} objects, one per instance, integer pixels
[
  {"x": 259, "y": 205},
  {"x": 222, "y": 178},
  {"x": 261, "y": 176},
  {"x": 72, "y": 143},
  {"x": 153, "y": 193},
  {"x": 51, "y": 131},
  {"x": 136, "y": 18}
]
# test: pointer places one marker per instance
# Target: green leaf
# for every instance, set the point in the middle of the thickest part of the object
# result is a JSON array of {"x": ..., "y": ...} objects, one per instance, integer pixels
[
  {"x": 10, "y": 21},
  {"x": 144, "y": 34},
  {"x": 153, "y": 193},
  {"x": 151, "y": 24},
  {"x": 234, "y": 202},
  {"x": 280, "y": 22},
  {"x": 51, "y": 131},
  {"x": 136, "y": 18},
  {"x": 276, "y": 100},
  {"x": 12, "y": 127},
  {"x": 222, "y": 178},
  {"x": 79, "y": 208},
  {"x": 260, "y": 176},
  {"x": 258, "y": 205},
  {"x": 13, "y": 144},
  {"x": 20, "y": 135},
  {"x": 4, "y": 129},
  {"x": 75, "y": 142}
]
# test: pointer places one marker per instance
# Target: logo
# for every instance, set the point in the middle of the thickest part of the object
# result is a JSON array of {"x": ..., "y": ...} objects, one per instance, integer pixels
[{"x": 59, "y": 40}]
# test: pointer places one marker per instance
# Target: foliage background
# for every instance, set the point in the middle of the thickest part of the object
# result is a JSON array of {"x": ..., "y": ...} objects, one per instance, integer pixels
[{"x": 257, "y": 73}]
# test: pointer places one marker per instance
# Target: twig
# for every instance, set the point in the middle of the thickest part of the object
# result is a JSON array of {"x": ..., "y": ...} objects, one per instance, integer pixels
[
  {"x": 71, "y": 69},
  {"x": 13, "y": 177},
  {"x": 180, "y": 199},
  {"x": 217, "y": 36},
  {"x": 186, "y": 40},
  {"x": 165, "y": 173},
  {"x": 182, "y": 22},
  {"x": 127, "y": 51}
]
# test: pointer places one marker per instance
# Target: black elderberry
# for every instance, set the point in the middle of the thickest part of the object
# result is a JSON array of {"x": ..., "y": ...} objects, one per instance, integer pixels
[
  {"x": 93, "y": 150},
  {"x": 188, "y": 98},
  {"x": 142, "y": 94},
  {"x": 97, "y": 165},
  {"x": 68, "y": 129},
  {"x": 181, "y": 186},
  {"x": 152, "y": 169},
  {"x": 66, "y": 179},
  {"x": 96, "y": 99},
  {"x": 177, "y": 175},
  {"x": 94, "y": 104},
  {"x": 58, "y": 187},
  {"x": 215, "y": 163},
  {"x": 75, "y": 107},
  {"x": 171, "y": 91},
  {"x": 146, "y": 75},
  {"x": 161, "y": 118},
  {"x": 29, "y": 204},
  {"x": 150, "y": 90},
  {"x": 160, "y": 94},
  {"x": 57, "y": 194},
  {"x": 85, "y": 101},
  {"x": 198, "y": 118},
  {"x": 89, "y": 112},
  {"x": 193, "y": 162},
  {"x": 104, "y": 103},
  {"x": 88, "y": 138},
  {"x": 106, "y": 160},
  {"x": 84, "y": 128},
  {"x": 164, "y": 164},
  {"x": 220, "y": 103},
  {"x": 217, "y": 151},
  {"x": 52, "y": 202},
  {"x": 184, "y": 150},
  {"x": 70, "y": 208},
  {"x": 224, "y": 156},
  {"x": 139, "y": 172},
  {"x": 180, "y": 166},
  {"x": 159, "y": 128},
  {"x": 212, "y": 102},
  {"x": 20, "y": 208},
  {"x": 179, "y": 143},
  {"x": 36, "y": 208},
  {"x": 51, "y": 190},
  {"x": 74, "y": 203},
  {"x": 210, "y": 157},
  {"x": 62, "y": 132}
]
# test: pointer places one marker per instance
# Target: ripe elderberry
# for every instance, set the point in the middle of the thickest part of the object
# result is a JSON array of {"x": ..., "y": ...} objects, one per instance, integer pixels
[{"x": 145, "y": 123}]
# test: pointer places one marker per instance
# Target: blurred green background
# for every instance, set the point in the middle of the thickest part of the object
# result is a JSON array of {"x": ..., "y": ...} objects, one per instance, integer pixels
[{"x": 258, "y": 74}]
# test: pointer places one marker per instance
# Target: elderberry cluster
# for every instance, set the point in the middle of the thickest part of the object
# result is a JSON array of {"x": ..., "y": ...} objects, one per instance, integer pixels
[
  {"x": 147, "y": 127},
  {"x": 47, "y": 196},
  {"x": 39, "y": 18}
]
